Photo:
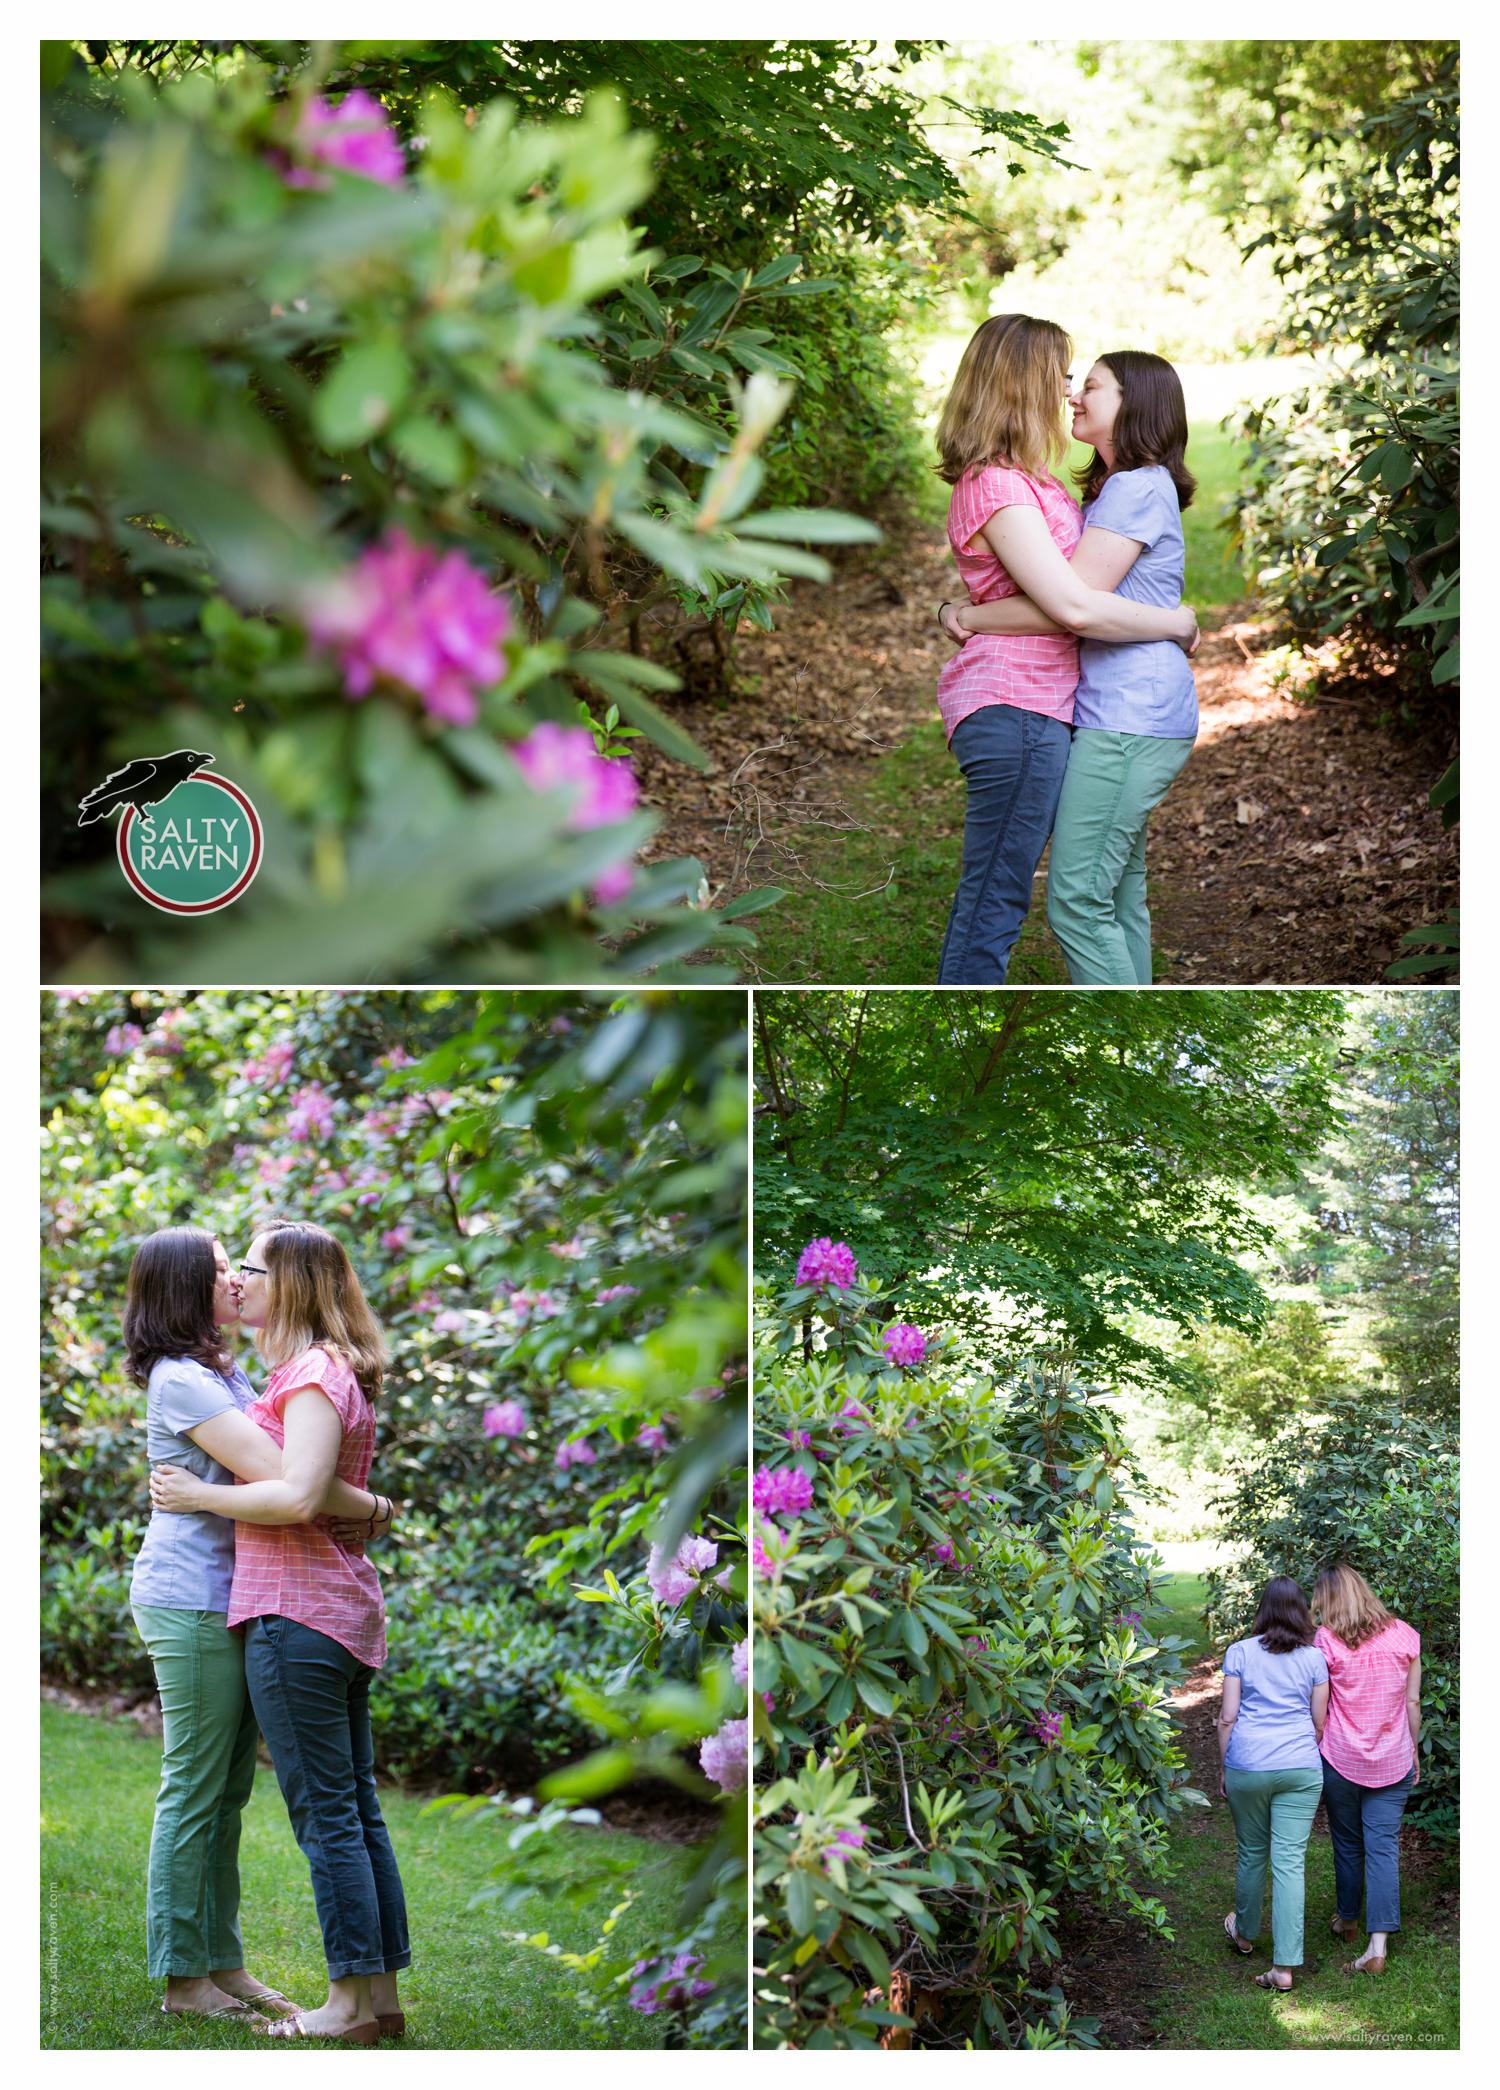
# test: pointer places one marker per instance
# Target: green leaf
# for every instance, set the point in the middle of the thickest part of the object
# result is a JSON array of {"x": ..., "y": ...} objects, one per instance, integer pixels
[
  {"x": 365, "y": 390},
  {"x": 811, "y": 526}
]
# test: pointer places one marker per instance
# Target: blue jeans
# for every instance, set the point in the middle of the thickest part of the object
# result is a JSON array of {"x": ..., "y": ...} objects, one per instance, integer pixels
[
  {"x": 1365, "y": 1824},
  {"x": 312, "y": 1699},
  {"x": 1013, "y": 762}
]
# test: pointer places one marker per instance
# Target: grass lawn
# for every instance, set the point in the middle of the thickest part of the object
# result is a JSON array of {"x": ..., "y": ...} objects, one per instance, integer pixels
[
  {"x": 912, "y": 807},
  {"x": 1211, "y": 2001},
  {"x": 468, "y": 1986}
]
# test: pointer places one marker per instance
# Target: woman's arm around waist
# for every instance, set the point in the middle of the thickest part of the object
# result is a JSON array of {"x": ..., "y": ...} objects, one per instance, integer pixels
[
  {"x": 1071, "y": 595},
  {"x": 314, "y": 1434}
]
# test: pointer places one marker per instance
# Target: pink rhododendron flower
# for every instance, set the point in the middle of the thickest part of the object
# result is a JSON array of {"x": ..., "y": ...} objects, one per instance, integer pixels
[
  {"x": 725, "y": 1756},
  {"x": 407, "y": 613},
  {"x": 311, "y": 1114},
  {"x": 505, "y": 1419},
  {"x": 449, "y": 1322},
  {"x": 580, "y": 1454},
  {"x": 569, "y": 1251},
  {"x": 275, "y": 1168},
  {"x": 904, "y": 1343},
  {"x": 674, "y": 1581},
  {"x": 354, "y": 136},
  {"x": 825, "y": 1261},
  {"x": 614, "y": 883},
  {"x": 847, "y": 1840},
  {"x": 770, "y": 1550},
  {"x": 398, "y": 1056},
  {"x": 242, "y": 1151},
  {"x": 395, "y": 1238},
  {"x": 850, "y": 1418},
  {"x": 944, "y": 1552},
  {"x": 534, "y": 1306},
  {"x": 671, "y": 1986},
  {"x": 798, "y": 1439},
  {"x": 739, "y": 1662},
  {"x": 334, "y": 1181},
  {"x": 651, "y": 1437},
  {"x": 613, "y": 1292},
  {"x": 1046, "y": 1727},
  {"x": 122, "y": 1038},
  {"x": 784, "y": 1488},
  {"x": 555, "y": 758},
  {"x": 273, "y": 1066}
]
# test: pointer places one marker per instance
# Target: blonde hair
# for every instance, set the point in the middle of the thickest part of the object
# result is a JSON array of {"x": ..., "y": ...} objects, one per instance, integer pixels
[
  {"x": 315, "y": 1301},
  {"x": 1006, "y": 402},
  {"x": 1346, "y": 1604}
]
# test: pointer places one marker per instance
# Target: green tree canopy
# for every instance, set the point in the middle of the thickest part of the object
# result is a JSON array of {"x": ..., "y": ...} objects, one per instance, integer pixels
[{"x": 1041, "y": 1168}]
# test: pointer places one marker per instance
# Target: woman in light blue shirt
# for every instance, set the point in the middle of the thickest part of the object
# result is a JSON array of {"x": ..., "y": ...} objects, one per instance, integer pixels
[
  {"x": 1135, "y": 714},
  {"x": 1270, "y": 1722},
  {"x": 179, "y": 1302}
]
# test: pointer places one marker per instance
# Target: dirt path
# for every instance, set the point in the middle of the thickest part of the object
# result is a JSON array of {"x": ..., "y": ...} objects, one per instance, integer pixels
[{"x": 1297, "y": 846}]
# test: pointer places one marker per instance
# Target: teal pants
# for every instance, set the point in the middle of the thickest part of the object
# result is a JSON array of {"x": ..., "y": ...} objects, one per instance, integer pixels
[
  {"x": 1096, "y": 874},
  {"x": 1273, "y": 1817},
  {"x": 207, "y": 1772}
]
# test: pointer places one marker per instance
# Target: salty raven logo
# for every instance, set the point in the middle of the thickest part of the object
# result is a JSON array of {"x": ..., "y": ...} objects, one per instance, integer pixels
[{"x": 141, "y": 784}]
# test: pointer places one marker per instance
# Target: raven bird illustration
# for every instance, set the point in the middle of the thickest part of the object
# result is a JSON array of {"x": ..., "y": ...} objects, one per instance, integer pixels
[{"x": 142, "y": 783}]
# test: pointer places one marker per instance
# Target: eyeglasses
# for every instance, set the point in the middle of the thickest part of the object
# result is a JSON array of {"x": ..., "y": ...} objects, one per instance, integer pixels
[{"x": 253, "y": 1270}]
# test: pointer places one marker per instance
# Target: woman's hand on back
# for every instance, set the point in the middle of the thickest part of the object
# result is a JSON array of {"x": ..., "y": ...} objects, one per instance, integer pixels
[{"x": 174, "y": 1489}]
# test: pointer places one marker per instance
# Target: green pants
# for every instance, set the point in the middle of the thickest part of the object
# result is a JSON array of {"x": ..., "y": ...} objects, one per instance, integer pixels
[
  {"x": 1096, "y": 874},
  {"x": 207, "y": 1772},
  {"x": 1273, "y": 1817}
]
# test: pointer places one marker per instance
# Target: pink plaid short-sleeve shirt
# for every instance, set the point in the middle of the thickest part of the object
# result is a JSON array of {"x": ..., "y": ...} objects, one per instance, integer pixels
[
  {"x": 297, "y": 1570},
  {"x": 1367, "y": 1739},
  {"x": 1037, "y": 673}
]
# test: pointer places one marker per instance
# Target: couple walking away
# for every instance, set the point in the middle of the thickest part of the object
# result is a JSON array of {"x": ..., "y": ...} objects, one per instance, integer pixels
[
  {"x": 1332, "y": 1714},
  {"x": 1070, "y": 705},
  {"x": 254, "y": 1597}
]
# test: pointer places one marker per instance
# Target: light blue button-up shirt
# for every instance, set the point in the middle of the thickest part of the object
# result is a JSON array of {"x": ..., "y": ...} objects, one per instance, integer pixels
[
  {"x": 186, "y": 1561},
  {"x": 1145, "y": 687}
]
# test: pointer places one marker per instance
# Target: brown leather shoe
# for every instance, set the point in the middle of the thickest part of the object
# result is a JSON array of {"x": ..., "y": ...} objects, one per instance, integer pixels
[
  {"x": 391, "y": 2024},
  {"x": 1347, "y": 1931},
  {"x": 1368, "y": 1966}
]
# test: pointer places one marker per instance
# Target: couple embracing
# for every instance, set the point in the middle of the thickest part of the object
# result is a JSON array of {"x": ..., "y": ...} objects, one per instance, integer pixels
[
  {"x": 259, "y": 1610},
  {"x": 1329, "y": 1712},
  {"x": 1070, "y": 705}
]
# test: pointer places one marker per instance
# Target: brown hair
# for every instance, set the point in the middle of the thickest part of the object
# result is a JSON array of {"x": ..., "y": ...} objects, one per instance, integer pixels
[
  {"x": 315, "y": 1301},
  {"x": 1283, "y": 1620},
  {"x": 1006, "y": 403},
  {"x": 1151, "y": 427},
  {"x": 169, "y": 1303},
  {"x": 1346, "y": 1604}
]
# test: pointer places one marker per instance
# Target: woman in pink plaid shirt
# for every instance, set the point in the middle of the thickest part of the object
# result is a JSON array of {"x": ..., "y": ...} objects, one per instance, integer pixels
[
  {"x": 314, "y": 1614},
  {"x": 1371, "y": 1761}
]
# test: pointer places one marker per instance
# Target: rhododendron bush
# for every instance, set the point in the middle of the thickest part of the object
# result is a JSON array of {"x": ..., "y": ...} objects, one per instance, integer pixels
[
  {"x": 371, "y": 424},
  {"x": 543, "y": 1196},
  {"x": 960, "y": 1705}
]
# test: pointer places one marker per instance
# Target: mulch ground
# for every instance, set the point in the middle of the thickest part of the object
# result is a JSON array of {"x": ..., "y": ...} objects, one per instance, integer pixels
[{"x": 1296, "y": 847}]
